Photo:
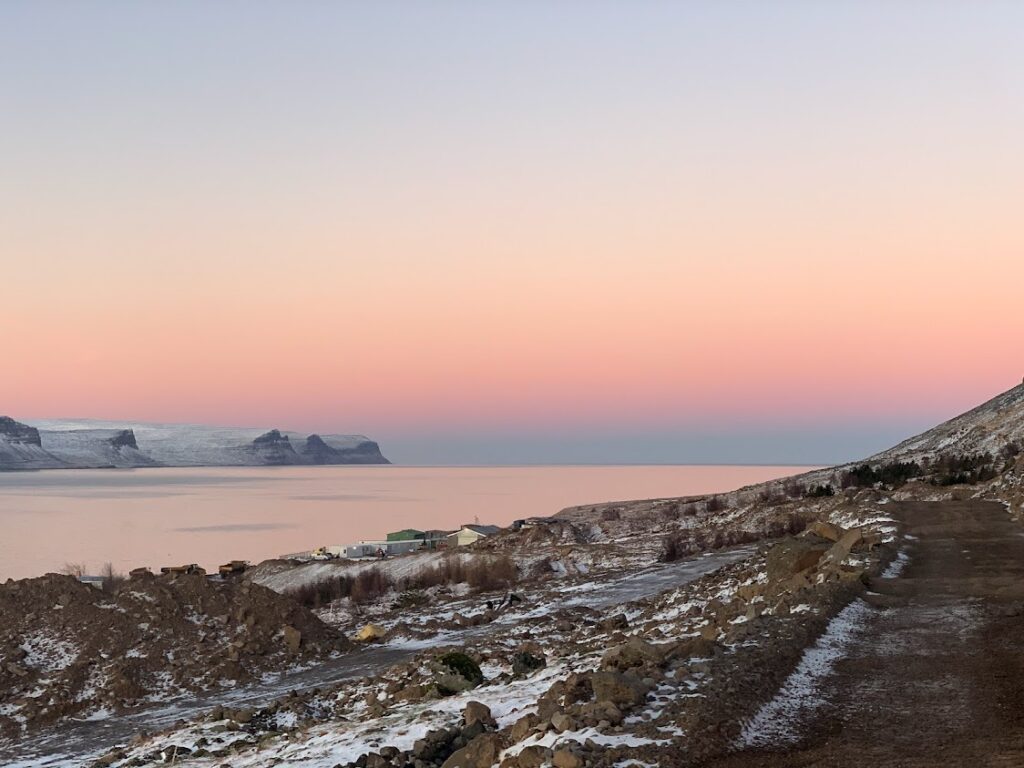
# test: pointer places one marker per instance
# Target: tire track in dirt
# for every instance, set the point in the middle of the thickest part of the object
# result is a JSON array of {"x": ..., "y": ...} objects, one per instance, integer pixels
[{"x": 936, "y": 676}]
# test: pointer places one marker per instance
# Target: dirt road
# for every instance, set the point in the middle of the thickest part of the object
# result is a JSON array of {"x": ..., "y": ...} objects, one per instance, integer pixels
[{"x": 934, "y": 674}]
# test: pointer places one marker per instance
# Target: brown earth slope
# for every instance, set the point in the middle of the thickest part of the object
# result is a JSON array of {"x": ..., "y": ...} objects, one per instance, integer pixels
[{"x": 936, "y": 678}]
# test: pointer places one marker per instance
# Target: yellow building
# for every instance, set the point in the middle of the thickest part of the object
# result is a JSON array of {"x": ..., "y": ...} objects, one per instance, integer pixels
[{"x": 469, "y": 534}]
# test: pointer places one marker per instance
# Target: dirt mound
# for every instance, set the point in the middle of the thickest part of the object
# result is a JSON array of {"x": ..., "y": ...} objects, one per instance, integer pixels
[
  {"x": 547, "y": 532},
  {"x": 67, "y": 648}
]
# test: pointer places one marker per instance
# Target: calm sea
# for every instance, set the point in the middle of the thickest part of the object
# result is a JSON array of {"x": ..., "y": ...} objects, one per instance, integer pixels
[{"x": 208, "y": 516}]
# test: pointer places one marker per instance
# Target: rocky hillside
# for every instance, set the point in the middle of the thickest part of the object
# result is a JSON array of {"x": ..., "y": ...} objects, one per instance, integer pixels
[
  {"x": 67, "y": 648},
  {"x": 985, "y": 429},
  {"x": 96, "y": 444},
  {"x": 981, "y": 447}
]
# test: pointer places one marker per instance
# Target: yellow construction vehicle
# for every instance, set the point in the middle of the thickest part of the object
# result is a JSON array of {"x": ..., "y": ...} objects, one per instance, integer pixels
[
  {"x": 233, "y": 568},
  {"x": 191, "y": 569}
]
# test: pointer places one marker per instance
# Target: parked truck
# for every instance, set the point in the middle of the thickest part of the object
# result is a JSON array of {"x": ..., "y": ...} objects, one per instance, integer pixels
[
  {"x": 233, "y": 568},
  {"x": 190, "y": 569}
]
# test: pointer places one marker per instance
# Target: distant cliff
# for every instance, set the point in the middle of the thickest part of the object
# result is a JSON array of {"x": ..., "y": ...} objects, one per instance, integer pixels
[{"x": 95, "y": 444}]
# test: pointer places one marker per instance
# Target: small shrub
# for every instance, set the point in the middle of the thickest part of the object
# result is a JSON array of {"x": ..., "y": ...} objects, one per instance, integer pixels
[
  {"x": 74, "y": 569},
  {"x": 412, "y": 598},
  {"x": 369, "y": 585},
  {"x": 672, "y": 549},
  {"x": 714, "y": 504},
  {"x": 794, "y": 490},
  {"x": 462, "y": 665},
  {"x": 111, "y": 578},
  {"x": 525, "y": 663},
  {"x": 893, "y": 475},
  {"x": 821, "y": 491}
]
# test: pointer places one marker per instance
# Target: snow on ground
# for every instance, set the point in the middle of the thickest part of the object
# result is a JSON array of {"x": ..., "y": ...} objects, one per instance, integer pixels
[
  {"x": 895, "y": 568},
  {"x": 47, "y": 653},
  {"x": 779, "y": 720},
  {"x": 554, "y": 738},
  {"x": 324, "y": 746}
]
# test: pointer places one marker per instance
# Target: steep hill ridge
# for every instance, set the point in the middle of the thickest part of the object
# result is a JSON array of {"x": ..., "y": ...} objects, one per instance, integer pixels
[
  {"x": 995, "y": 427},
  {"x": 985, "y": 429}
]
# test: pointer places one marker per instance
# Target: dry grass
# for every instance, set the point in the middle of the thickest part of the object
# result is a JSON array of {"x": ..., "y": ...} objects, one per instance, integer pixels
[{"x": 482, "y": 573}]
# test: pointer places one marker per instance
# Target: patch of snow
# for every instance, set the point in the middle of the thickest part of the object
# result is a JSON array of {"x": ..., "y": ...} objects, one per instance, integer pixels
[
  {"x": 800, "y": 696},
  {"x": 895, "y": 568},
  {"x": 47, "y": 653}
]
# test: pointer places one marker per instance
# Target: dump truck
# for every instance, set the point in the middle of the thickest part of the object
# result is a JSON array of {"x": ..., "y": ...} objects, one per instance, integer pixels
[
  {"x": 233, "y": 568},
  {"x": 190, "y": 569}
]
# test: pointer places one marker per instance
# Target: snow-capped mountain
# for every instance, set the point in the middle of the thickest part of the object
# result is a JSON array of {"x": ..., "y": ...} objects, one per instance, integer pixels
[{"x": 64, "y": 444}]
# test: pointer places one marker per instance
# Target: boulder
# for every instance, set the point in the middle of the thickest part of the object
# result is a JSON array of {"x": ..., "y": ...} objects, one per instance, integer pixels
[
  {"x": 561, "y": 722},
  {"x": 824, "y": 530},
  {"x": 748, "y": 592},
  {"x": 635, "y": 652},
  {"x": 692, "y": 648},
  {"x": 618, "y": 621},
  {"x": 533, "y": 756},
  {"x": 525, "y": 663},
  {"x": 844, "y": 546},
  {"x": 411, "y": 693},
  {"x": 619, "y": 688},
  {"x": 566, "y": 758},
  {"x": 523, "y": 727},
  {"x": 477, "y": 712},
  {"x": 481, "y": 752},
  {"x": 369, "y": 633},
  {"x": 793, "y": 556},
  {"x": 595, "y": 712},
  {"x": 292, "y": 638}
]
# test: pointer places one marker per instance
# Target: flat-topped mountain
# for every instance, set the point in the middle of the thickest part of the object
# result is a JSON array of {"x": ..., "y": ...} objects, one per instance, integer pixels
[{"x": 82, "y": 444}]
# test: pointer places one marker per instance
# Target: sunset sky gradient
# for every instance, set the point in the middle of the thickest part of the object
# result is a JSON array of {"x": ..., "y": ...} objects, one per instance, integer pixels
[{"x": 514, "y": 232}]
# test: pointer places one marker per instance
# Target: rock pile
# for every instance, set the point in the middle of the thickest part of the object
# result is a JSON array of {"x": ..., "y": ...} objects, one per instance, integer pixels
[{"x": 67, "y": 648}]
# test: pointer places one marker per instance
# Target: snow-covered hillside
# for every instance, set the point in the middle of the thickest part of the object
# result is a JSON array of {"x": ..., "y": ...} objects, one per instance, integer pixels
[
  {"x": 54, "y": 444},
  {"x": 985, "y": 429}
]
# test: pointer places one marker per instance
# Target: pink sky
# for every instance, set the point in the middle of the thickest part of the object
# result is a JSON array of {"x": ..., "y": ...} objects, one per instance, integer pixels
[{"x": 517, "y": 234}]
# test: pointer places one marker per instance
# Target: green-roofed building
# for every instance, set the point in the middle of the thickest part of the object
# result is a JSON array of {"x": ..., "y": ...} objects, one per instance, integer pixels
[{"x": 408, "y": 534}]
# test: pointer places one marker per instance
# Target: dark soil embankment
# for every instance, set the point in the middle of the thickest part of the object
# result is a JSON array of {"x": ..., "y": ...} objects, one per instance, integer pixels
[{"x": 67, "y": 648}]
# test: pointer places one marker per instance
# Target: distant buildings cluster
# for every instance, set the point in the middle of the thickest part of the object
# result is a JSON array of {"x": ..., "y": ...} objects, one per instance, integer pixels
[{"x": 402, "y": 542}]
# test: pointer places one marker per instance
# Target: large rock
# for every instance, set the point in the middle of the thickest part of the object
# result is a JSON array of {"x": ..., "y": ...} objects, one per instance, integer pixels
[
  {"x": 525, "y": 662},
  {"x": 692, "y": 648},
  {"x": 369, "y": 632},
  {"x": 635, "y": 652},
  {"x": 481, "y": 752},
  {"x": 566, "y": 758},
  {"x": 477, "y": 712},
  {"x": 561, "y": 722},
  {"x": 824, "y": 530},
  {"x": 533, "y": 756},
  {"x": 845, "y": 545},
  {"x": 619, "y": 688},
  {"x": 523, "y": 727},
  {"x": 292, "y": 638},
  {"x": 793, "y": 556}
]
